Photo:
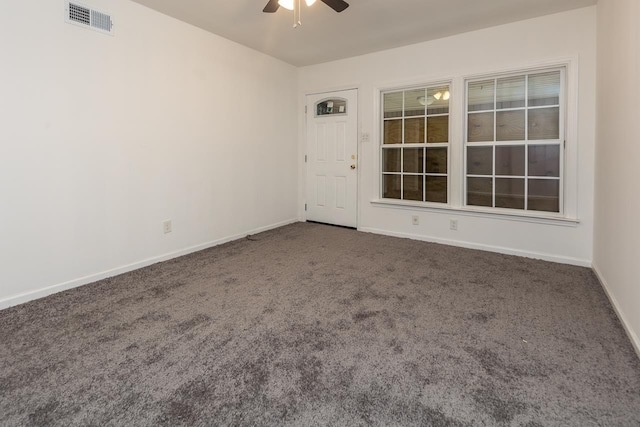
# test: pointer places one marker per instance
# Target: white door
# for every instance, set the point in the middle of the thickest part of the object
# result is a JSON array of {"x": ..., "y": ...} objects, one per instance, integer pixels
[{"x": 332, "y": 157}]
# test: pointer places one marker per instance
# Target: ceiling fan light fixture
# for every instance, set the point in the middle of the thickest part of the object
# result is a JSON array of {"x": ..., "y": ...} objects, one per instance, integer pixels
[
  {"x": 424, "y": 101},
  {"x": 287, "y": 4},
  {"x": 445, "y": 96},
  {"x": 273, "y": 6}
]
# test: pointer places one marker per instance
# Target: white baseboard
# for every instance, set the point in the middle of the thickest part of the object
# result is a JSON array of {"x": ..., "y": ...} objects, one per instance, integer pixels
[
  {"x": 43, "y": 292},
  {"x": 614, "y": 302},
  {"x": 489, "y": 248}
]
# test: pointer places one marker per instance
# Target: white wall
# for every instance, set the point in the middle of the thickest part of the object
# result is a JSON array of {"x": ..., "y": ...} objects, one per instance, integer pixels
[
  {"x": 570, "y": 35},
  {"x": 617, "y": 232},
  {"x": 103, "y": 138}
]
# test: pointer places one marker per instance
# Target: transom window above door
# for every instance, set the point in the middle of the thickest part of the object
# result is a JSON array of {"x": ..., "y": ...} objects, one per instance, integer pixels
[
  {"x": 330, "y": 107},
  {"x": 415, "y": 144}
]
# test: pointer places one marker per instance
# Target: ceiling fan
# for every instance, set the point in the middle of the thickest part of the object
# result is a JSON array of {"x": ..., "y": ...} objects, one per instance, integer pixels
[{"x": 273, "y": 5}]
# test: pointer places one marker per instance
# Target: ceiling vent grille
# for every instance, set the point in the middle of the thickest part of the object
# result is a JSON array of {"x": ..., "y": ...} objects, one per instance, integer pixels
[{"x": 89, "y": 18}]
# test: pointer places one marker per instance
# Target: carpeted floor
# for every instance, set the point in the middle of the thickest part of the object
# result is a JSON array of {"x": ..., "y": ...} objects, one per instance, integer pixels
[{"x": 317, "y": 325}]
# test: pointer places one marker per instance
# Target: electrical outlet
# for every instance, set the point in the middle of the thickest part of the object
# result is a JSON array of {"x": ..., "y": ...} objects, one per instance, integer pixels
[
  {"x": 415, "y": 220},
  {"x": 166, "y": 226},
  {"x": 453, "y": 224}
]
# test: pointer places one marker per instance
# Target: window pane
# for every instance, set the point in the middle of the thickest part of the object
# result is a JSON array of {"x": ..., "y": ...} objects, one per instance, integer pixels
[
  {"x": 412, "y": 187},
  {"x": 544, "y": 195},
  {"x": 544, "y": 123},
  {"x": 479, "y": 191},
  {"x": 544, "y": 160},
  {"x": 510, "y": 160},
  {"x": 417, "y": 117},
  {"x": 438, "y": 100},
  {"x": 414, "y": 131},
  {"x": 481, "y": 95},
  {"x": 391, "y": 161},
  {"x": 438, "y": 129},
  {"x": 513, "y": 140},
  {"x": 510, "y": 125},
  {"x": 391, "y": 186},
  {"x": 480, "y": 127},
  {"x": 393, "y": 131},
  {"x": 544, "y": 89},
  {"x": 393, "y": 104},
  {"x": 331, "y": 106},
  {"x": 414, "y": 102},
  {"x": 510, "y": 92},
  {"x": 413, "y": 160},
  {"x": 436, "y": 160},
  {"x": 480, "y": 160},
  {"x": 437, "y": 189},
  {"x": 510, "y": 193}
]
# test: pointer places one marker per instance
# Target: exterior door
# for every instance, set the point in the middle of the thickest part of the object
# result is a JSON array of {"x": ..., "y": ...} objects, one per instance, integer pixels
[{"x": 332, "y": 157}]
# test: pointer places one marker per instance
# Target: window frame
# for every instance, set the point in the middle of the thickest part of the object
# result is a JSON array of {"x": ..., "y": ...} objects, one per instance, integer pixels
[
  {"x": 426, "y": 145},
  {"x": 560, "y": 142},
  {"x": 456, "y": 79}
]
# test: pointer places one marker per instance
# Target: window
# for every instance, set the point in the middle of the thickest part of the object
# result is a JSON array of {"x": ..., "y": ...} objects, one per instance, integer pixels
[
  {"x": 510, "y": 158},
  {"x": 514, "y": 141},
  {"x": 331, "y": 107},
  {"x": 415, "y": 144}
]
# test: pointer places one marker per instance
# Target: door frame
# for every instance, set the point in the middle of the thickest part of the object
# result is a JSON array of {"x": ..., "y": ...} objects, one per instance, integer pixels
[{"x": 305, "y": 110}]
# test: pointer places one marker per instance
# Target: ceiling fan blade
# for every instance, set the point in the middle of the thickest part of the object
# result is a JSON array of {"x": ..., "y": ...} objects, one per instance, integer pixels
[
  {"x": 337, "y": 5},
  {"x": 271, "y": 7}
]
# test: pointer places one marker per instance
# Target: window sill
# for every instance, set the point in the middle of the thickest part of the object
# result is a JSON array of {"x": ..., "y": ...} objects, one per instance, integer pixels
[{"x": 482, "y": 213}]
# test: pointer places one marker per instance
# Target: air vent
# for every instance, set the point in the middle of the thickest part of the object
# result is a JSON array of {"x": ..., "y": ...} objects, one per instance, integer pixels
[
  {"x": 89, "y": 18},
  {"x": 79, "y": 14}
]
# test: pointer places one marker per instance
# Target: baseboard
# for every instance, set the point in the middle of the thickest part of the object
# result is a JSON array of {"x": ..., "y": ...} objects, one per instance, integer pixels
[
  {"x": 43, "y": 292},
  {"x": 489, "y": 248},
  {"x": 614, "y": 302}
]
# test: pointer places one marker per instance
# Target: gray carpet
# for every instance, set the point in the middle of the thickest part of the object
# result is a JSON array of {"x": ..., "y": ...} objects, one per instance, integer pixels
[{"x": 317, "y": 325}]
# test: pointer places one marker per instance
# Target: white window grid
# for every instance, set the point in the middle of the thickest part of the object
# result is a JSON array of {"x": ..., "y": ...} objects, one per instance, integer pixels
[
  {"x": 526, "y": 142},
  {"x": 426, "y": 145}
]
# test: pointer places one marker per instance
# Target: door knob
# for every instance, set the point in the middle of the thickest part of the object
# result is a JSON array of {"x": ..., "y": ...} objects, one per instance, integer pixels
[{"x": 353, "y": 166}]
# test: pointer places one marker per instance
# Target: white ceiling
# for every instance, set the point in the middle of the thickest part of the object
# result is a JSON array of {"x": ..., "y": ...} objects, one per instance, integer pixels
[{"x": 366, "y": 26}]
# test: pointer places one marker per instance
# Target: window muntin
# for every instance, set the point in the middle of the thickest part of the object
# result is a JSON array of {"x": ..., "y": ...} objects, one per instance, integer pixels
[
  {"x": 513, "y": 141},
  {"x": 415, "y": 144}
]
